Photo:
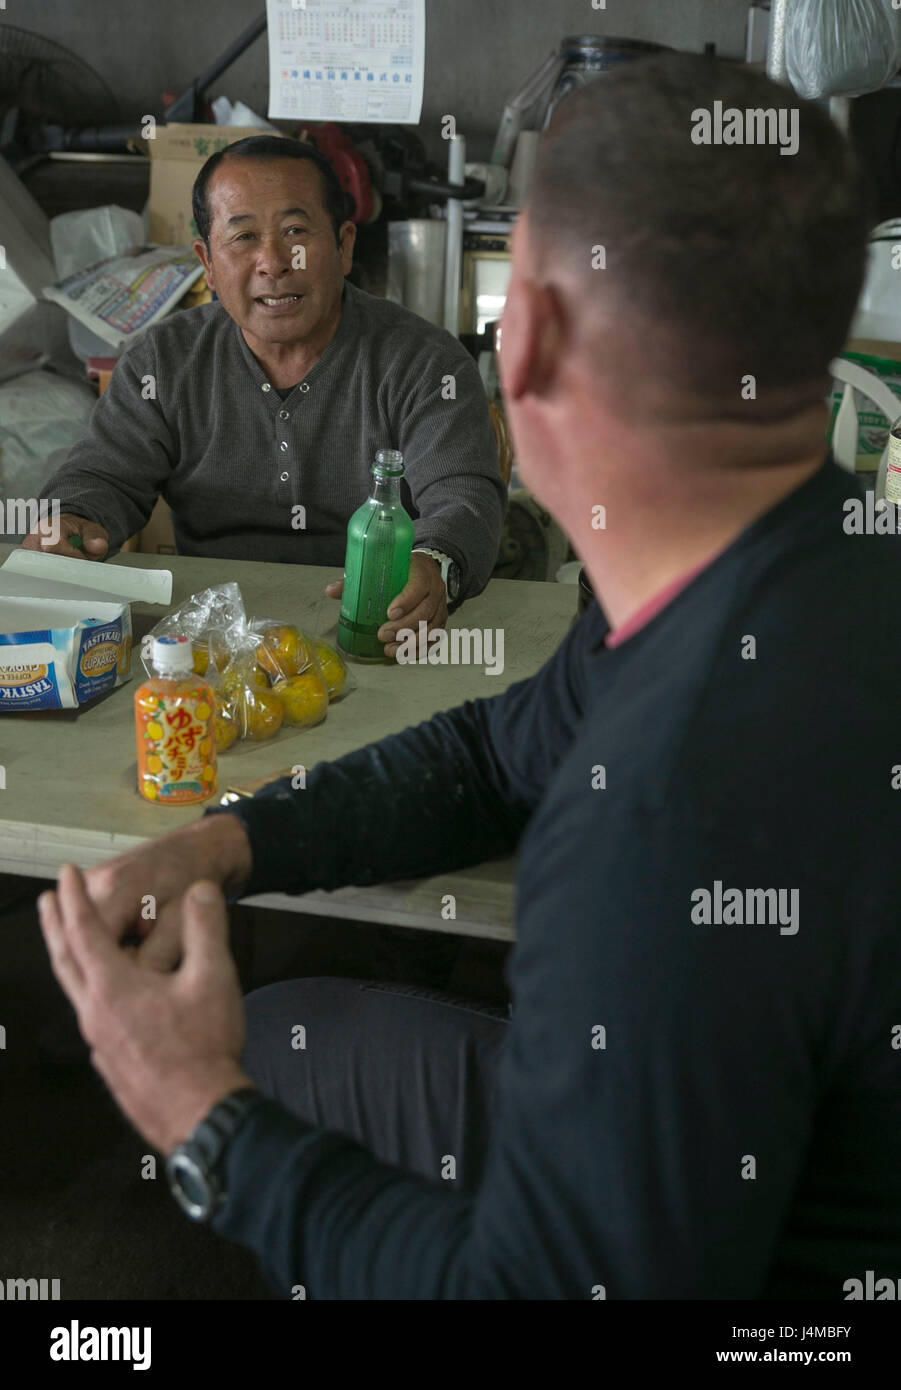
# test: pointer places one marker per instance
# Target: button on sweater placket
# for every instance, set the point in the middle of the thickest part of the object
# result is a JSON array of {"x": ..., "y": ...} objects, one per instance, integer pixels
[{"x": 283, "y": 445}]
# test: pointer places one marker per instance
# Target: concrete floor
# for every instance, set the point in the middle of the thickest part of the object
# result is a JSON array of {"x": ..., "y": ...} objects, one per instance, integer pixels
[{"x": 73, "y": 1203}]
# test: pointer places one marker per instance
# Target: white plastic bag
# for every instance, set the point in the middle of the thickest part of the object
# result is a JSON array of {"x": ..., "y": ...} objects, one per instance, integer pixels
[
  {"x": 41, "y": 416},
  {"x": 878, "y": 313},
  {"x": 80, "y": 239},
  {"x": 32, "y": 333},
  {"x": 225, "y": 113},
  {"x": 841, "y": 47}
]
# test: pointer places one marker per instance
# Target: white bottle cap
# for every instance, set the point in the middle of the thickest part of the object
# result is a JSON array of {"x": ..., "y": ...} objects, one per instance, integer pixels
[{"x": 172, "y": 656}]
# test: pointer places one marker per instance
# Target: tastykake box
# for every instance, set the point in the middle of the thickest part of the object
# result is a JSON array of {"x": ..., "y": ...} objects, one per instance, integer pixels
[{"x": 65, "y": 628}]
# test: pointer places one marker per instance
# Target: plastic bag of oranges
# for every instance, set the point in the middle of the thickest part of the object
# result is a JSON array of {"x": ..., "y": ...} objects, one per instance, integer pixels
[
  {"x": 272, "y": 682},
  {"x": 336, "y": 673},
  {"x": 286, "y": 654},
  {"x": 213, "y": 619},
  {"x": 269, "y": 678}
]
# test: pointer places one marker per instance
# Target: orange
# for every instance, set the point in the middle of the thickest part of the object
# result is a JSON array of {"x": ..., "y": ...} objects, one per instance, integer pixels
[
  {"x": 304, "y": 699},
  {"x": 260, "y": 714},
  {"x": 243, "y": 674},
  {"x": 206, "y": 647},
  {"x": 334, "y": 671},
  {"x": 283, "y": 652},
  {"x": 225, "y": 728}
]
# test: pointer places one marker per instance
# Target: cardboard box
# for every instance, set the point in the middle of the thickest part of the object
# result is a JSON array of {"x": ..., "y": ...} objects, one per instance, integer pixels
[
  {"x": 177, "y": 155},
  {"x": 875, "y": 347},
  {"x": 65, "y": 628},
  {"x": 158, "y": 536}
]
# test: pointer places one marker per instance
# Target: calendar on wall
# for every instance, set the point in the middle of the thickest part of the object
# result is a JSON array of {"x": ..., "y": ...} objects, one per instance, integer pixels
[{"x": 360, "y": 61}]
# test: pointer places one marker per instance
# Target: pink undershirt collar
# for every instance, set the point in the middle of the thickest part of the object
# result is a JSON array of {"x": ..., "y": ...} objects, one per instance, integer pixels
[{"x": 642, "y": 616}]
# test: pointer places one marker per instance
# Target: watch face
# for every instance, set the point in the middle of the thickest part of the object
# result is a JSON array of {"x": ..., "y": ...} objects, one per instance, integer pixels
[{"x": 453, "y": 581}]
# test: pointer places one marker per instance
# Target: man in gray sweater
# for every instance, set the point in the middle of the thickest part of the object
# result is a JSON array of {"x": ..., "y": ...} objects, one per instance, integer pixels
[{"x": 257, "y": 417}]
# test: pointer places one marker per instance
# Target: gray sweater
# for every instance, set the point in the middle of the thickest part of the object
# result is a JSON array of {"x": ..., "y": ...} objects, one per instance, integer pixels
[{"x": 190, "y": 415}]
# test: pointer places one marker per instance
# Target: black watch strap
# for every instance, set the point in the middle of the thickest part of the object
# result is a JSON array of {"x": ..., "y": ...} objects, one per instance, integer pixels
[{"x": 194, "y": 1168}]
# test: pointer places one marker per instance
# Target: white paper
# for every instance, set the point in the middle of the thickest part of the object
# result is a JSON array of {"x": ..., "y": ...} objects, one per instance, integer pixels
[
  {"x": 357, "y": 62},
  {"x": 120, "y": 297},
  {"x": 34, "y": 574},
  {"x": 37, "y": 613}
]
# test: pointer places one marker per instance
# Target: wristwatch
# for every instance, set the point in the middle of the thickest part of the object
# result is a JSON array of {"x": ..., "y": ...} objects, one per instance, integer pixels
[
  {"x": 450, "y": 571},
  {"x": 194, "y": 1168}
]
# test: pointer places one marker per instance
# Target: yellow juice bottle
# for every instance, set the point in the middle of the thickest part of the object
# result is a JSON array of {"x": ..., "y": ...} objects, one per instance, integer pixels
[{"x": 174, "y": 713}]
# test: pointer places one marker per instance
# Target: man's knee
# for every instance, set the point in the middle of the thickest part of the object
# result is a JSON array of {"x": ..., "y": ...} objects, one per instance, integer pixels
[{"x": 293, "y": 1017}]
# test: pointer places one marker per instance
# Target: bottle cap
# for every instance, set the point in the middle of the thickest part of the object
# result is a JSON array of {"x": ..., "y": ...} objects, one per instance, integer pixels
[
  {"x": 389, "y": 463},
  {"x": 173, "y": 656}
]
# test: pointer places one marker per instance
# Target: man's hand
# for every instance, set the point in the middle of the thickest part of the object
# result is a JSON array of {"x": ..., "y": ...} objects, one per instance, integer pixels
[
  {"x": 92, "y": 540},
  {"x": 140, "y": 892},
  {"x": 167, "y": 1046},
  {"x": 422, "y": 599}
]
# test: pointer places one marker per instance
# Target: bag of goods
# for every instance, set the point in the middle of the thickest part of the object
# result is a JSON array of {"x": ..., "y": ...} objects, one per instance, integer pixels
[
  {"x": 268, "y": 677},
  {"x": 272, "y": 680},
  {"x": 841, "y": 47}
]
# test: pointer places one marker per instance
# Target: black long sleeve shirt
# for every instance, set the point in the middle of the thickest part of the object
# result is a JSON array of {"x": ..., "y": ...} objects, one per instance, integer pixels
[{"x": 692, "y": 1106}]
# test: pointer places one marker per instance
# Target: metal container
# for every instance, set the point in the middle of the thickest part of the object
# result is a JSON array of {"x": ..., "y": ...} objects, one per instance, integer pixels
[
  {"x": 587, "y": 56},
  {"x": 416, "y": 255}
]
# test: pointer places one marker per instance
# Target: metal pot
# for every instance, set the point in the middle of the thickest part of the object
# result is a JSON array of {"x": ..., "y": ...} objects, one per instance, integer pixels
[{"x": 586, "y": 56}]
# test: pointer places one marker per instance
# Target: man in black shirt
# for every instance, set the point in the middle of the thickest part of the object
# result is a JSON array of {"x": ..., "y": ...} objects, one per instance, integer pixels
[{"x": 698, "y": 1093}]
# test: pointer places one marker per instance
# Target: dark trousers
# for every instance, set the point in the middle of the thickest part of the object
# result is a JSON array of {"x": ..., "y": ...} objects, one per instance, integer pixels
[{"x": 408, "y": 1072}]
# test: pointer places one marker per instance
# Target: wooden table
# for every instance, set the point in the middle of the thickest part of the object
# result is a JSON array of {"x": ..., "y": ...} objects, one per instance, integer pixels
[{"x": 70, "y": 776}]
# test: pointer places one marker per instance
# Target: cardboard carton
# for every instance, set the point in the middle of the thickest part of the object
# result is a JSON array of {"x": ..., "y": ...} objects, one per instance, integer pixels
[
  {"x": 177, "y": 155},
  {"x": 65, "y": 628}
]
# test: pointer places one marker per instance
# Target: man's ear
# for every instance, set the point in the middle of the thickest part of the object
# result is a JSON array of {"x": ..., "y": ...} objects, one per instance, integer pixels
[
  {"x": 347, "y": 239},
  {"x": 203, "y": 255},
  {"x": 531, "y": 338}
]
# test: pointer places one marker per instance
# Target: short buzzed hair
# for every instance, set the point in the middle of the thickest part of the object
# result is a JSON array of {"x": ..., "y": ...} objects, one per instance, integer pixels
[{"x": 752, "y": 260}]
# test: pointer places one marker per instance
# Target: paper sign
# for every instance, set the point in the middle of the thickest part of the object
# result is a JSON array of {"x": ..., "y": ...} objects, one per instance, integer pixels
[{"x": 356, "y": 62}]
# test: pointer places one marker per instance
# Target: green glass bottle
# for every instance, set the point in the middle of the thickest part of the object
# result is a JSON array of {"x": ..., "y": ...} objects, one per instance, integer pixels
[{"x": 377, "y": 563}]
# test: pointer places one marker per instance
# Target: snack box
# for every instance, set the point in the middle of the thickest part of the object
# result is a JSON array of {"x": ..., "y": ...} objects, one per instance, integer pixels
[{"x": 65, "y": 628}]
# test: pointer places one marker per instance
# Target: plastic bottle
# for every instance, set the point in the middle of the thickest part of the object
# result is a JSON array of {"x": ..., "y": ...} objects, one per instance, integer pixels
[
  {"x": 889, "y": 484},
  {"x": 377, "y": 562},
  {"x": 174, "y": 713}
]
